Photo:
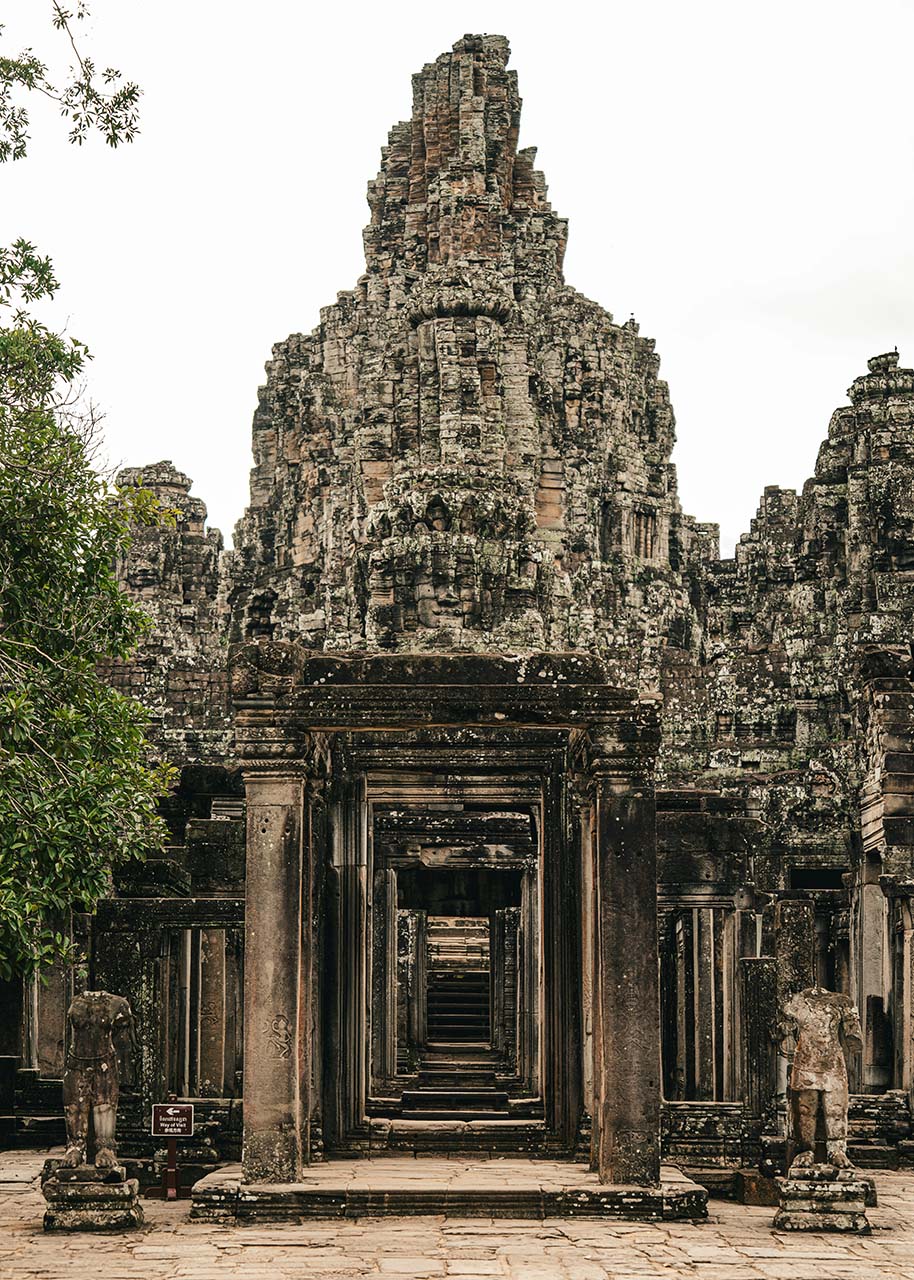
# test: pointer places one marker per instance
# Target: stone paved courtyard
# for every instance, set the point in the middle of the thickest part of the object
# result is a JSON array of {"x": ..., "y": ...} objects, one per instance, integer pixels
[{"x": 737, "y": 1243}]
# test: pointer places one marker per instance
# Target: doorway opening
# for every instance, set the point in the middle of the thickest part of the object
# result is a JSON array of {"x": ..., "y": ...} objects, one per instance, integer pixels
[
  {"x": 455, "y": 957},
  {"x": 458, "y": 985}
]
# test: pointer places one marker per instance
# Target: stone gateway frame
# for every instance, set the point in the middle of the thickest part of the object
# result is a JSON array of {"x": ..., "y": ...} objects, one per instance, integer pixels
[{"x": 322, "y": 739}]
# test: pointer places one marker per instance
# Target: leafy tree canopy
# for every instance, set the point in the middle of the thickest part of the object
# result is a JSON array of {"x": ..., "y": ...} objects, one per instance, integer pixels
[
  {"x": 92, "y": 100},
  {"x": 78, "y": 782}
]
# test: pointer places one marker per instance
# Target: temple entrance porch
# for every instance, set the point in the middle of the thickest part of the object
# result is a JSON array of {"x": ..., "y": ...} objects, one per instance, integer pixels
[{"x": 450, "y": 926}]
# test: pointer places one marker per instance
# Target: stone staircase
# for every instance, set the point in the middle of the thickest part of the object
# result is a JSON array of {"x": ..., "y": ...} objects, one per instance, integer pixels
[
  {"x": 456, "y": 1081},
  {"x": 454, "y": 1104},
  {"x": 458, "y": 1007},
  {"x": 8, "y": 1067},
  {"x": 39, "y": 1110},
  {"x": 457, "y": 1078}
]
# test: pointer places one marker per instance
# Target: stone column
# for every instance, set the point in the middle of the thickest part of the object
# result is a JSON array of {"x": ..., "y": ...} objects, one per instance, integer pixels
[
  {"x": 626, "y": 984},
  {"x": 384, "y": 978},
  {"x": 900, "y": 895},
  {"x": 904, "y": 990},
  {"x": 685, "y": 1006},
  {"x": 411, "y": 984},
  {"x": 497, "y": 977},
  {"x": 211, "y": 1042},
  {"x": 562, "y": 1069},
  {"x": 704, "y": 1011},
  {"x": 870, "y": 996},
  {"x": 528, "y": 994},
  {"x": 421, "y": 1028},
  {"x": 794, "y": 933},
  {"x": 758, "y": 1015},
  {"x": 794, "y": 953},
  {"x": 277, "y": 1013},
  {"x": 588, "y": 963},
  {"x": 511, "y": 1000}
]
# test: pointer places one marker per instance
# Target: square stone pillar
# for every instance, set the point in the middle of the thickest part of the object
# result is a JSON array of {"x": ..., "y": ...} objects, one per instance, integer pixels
[
  {"x": 795, "y": 966},
  {"x": 900, "y": 896},
  {"x": 211, "y": 1041},
  {"x": 626, "y": 1129},
  {"x": 277, "y": 1005},
  {"x": 904, "y": 1015},
  {"x": 759, "y": 1018},
  {"x": 795, "y": 970},
  {"x": 871, "y": 994},
  {"x": 794, "y": 943}
]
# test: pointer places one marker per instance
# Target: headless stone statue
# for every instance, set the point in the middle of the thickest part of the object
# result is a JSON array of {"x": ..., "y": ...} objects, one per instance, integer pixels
[
  {"x": 824, "y": 1023},
  {"x": 101, "y": 1032}
]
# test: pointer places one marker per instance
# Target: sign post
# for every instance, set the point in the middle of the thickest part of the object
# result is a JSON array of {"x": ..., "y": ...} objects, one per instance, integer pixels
[{"x": 172, "y": 1120}]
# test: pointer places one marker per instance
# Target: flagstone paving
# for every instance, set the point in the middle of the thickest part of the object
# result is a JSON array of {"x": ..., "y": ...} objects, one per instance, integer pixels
[{"x": 736, "y": 1243}]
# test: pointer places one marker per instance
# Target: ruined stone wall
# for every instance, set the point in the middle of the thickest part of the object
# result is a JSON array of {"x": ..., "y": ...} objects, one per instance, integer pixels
[
  {"x": 179, "y": 671},
  {"x": 817, "y": 603},
  {"x": 469, "y": 456}
]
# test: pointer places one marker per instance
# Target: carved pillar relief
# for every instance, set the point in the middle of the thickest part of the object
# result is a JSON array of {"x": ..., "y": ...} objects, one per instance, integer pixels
[
  {"x": 626, "y": 984},
  {"x": 277, "y": 1012}
]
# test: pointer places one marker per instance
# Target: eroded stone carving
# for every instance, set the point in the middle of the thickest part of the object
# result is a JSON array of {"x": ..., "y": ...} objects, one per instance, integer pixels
[
  {"x": 279, "y": 1036},
  {"x": 101, "y": 1037},
  {"x": 79, "y": 1196},
  {"x": 825, "y": 1023}
]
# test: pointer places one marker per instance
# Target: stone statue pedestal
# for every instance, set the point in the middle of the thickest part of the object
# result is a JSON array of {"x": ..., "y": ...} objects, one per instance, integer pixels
[
  {"x": 89, "y": 1199},
  {"x": 822, "y": 1197}
]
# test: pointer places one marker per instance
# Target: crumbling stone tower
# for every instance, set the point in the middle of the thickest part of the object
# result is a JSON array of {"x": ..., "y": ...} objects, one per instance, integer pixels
[{"x": 467, "y": 454}]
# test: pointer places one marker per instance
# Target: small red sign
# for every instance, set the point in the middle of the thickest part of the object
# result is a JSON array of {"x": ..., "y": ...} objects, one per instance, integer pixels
[{"x": 172, "y": 1120}]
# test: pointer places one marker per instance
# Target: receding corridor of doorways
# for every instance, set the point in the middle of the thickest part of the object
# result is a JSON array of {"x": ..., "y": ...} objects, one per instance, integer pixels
[{"x": 454, "y": 952}]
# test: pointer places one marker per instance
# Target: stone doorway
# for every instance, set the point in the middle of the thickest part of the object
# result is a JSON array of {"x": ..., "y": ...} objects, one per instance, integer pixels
[
  {"x": 456, "y": 960},
  {"x": 483, "y": 785},
  {"x": 448, "y": 872}
]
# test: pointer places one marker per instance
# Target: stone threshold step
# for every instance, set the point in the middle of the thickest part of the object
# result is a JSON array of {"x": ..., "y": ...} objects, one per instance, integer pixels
[
  {"x": 872, "y": 1155},
  {"x": 465, "y": 1051},
  {"x": 536, "y": 1190},
  {"x": 459, "y": 1009},
  {"x": 457, "y": 1080},
  {"x": 458, "y": 1027}
]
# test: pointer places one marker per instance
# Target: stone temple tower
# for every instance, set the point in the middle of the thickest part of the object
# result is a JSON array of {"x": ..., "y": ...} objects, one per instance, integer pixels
[{"x": 467, "y": 454}]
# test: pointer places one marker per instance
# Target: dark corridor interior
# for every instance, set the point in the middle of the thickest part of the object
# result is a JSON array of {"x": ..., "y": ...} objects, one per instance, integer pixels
[
  {"x": 454, "y": 953},
  {"x": 458, "y": 995}
]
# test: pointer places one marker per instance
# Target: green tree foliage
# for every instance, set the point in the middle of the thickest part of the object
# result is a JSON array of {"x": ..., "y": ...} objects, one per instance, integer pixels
[
  {"x": 78, "y": 784},
  {"x": 92, "y": 100},
  {"x": 78, "y": 781}
]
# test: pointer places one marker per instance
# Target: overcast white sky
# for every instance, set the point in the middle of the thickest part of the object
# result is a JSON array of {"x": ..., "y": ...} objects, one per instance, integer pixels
[{"x": 740, "y": 176}]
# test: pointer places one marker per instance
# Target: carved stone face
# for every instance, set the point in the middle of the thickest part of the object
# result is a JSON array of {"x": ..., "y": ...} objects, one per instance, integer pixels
[
  {"x": 143, "y": 576},
  {"x": 150, "y": 562}
]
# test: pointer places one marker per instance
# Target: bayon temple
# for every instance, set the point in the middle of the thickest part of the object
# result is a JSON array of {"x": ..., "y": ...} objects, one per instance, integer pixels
[{"x": 509, "y": 812}]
